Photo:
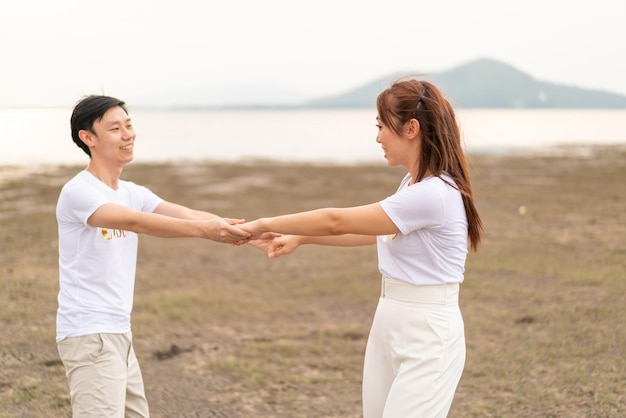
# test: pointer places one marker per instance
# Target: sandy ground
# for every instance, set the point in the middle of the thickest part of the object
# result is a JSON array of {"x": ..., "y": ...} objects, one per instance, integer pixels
[{"x": 224, "y": 332}]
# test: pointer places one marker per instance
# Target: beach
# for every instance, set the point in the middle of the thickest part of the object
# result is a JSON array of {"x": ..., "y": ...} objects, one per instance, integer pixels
[{"x": 222, "y": 331}]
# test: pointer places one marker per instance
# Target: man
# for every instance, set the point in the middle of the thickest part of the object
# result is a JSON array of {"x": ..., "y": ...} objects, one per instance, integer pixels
[{"x": 99, "y": 218}]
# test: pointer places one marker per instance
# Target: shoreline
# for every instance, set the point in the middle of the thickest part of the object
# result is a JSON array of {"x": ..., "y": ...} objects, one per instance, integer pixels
[{"x": 11, "y": 172}]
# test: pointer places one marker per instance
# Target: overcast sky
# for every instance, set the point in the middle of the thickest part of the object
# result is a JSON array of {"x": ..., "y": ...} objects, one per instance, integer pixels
[{"x": 53, "y": 52}]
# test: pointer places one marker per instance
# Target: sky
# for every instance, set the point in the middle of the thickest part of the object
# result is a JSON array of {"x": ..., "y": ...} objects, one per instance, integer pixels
[{"x": 54, "y": 52}]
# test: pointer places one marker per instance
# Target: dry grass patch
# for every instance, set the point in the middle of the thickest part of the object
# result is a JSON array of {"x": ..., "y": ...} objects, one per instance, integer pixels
[{"x": 225, "y": 332}]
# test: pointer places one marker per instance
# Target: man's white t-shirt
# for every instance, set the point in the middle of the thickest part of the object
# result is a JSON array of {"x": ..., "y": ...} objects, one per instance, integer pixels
[
  {"x": 431, "y": 247},
  {"x": 96, "y": 265}
]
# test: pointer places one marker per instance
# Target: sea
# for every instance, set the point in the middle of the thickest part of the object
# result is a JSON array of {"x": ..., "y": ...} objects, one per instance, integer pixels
[{"x": 41, "y": 136}]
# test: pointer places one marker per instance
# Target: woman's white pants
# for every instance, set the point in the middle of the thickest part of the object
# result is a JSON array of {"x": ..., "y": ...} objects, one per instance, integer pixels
[{"x": 415, "y": 352}]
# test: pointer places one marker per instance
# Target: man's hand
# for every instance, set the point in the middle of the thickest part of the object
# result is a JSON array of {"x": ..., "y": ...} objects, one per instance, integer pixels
[{"x": 224, "y": 230}]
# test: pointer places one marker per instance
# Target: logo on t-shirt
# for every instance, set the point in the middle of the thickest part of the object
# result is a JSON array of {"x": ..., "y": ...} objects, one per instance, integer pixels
[{"x": 109, "y": 234}]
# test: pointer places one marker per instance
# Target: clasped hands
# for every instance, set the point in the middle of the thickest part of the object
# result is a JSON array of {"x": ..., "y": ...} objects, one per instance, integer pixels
[{"x": 274, "y": 244}]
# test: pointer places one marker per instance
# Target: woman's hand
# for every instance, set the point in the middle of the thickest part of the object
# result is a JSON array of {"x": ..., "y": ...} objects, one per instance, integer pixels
[
  {"x": 283, "y": 245},
  {"x": 264, "y": 241}
]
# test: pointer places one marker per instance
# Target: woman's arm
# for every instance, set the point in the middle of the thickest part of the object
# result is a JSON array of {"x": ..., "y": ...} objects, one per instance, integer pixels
[
  {"x": 330, "y": 226},
  {"x": 287, "y": 244},
  {"x": 346, "y": 240},
  {"x": 360, "y": 220}
]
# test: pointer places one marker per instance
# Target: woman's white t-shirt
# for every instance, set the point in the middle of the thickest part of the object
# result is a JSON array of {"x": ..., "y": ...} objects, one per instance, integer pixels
[
  {"x": 96, "y": 265},
  {"x": 432, "y": 245}
]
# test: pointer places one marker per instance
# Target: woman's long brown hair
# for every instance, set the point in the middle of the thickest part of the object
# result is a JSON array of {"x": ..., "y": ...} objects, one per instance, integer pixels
[{"x": 441, "y": 138}]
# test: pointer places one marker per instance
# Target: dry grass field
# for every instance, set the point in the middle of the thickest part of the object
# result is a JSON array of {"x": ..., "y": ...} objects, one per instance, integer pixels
[{"x": 222, "y": 331}]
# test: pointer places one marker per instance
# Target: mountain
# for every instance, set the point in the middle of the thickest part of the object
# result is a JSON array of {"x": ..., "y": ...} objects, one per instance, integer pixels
[
  {"x": 482, "y": 83},
  {"x": 485, "y": 83}
]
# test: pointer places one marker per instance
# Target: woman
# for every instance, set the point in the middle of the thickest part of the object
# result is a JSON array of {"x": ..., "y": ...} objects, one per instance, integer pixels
[{"x": 416, "y": 349}]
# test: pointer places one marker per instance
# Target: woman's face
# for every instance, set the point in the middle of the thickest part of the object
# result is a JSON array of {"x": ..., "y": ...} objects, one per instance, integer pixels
[{"x": 395, "y": 147}]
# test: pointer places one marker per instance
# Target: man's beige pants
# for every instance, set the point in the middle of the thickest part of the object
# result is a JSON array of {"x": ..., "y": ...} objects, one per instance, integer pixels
[{"x": 104, "y": 376}]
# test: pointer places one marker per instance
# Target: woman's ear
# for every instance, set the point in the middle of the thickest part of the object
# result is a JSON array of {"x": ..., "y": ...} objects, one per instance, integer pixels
[{"x": 413, "y": 128}]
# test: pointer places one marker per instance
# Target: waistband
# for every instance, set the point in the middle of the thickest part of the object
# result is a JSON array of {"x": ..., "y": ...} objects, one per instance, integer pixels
[{"x": 442, "y": 295}]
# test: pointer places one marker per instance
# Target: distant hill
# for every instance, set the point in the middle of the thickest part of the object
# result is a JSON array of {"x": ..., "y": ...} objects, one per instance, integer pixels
[{"x": 485, "y": 83}]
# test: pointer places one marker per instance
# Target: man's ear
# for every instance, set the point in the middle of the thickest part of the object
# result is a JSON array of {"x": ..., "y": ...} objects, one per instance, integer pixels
[
  {"x": 413, "y": 128},
  {"x": 86, "y": 137}
]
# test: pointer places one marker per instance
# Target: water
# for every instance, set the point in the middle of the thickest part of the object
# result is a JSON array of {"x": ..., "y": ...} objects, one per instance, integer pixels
[{"x": 42, "y": 136}]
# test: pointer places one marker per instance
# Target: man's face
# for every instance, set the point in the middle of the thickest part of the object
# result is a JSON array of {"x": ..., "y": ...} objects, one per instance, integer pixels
[{"x": 113, "y": 137}]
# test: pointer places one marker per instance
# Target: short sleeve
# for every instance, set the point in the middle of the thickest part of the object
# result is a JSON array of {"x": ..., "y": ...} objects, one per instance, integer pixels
[
  {"x": 77, "y": 204},
  {"x": 415, "y": 207}
]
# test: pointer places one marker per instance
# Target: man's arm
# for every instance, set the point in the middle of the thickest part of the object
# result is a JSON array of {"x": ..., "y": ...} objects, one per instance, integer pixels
[
  {"x": 166, "y": 225},
  {"x": 175, "y": 210}
]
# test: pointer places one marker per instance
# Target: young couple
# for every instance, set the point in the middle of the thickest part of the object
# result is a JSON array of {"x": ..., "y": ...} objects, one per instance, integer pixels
[{"x": 415, "y": 353}]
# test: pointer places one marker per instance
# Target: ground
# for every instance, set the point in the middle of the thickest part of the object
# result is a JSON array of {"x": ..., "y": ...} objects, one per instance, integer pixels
[{"x": 222, "y": 331}]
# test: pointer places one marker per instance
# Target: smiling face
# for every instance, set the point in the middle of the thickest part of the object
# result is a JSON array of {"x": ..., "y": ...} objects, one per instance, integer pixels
[
  {"x": 399, "y": 149},
  {"x": 111, "y": 139}
]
